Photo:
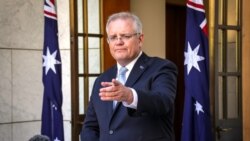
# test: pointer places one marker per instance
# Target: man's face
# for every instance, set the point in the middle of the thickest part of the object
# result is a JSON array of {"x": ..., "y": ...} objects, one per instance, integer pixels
[{"x": 124, "y": 43}]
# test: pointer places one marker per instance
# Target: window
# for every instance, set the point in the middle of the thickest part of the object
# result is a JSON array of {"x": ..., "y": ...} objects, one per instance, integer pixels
[
  {"x": 86, "y": 56},
  {"x": 228, "y": 70}
]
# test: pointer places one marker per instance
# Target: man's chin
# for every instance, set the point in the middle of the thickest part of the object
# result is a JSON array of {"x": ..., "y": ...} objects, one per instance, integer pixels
[
  {"x": 120, "y": 56},
  {"x": 122, "y": 60}
]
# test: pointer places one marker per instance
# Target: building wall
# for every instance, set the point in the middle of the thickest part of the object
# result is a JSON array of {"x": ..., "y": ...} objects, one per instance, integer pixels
[
  {"x": 152, "y": 15},
  {"x": 21, "y": 89}
]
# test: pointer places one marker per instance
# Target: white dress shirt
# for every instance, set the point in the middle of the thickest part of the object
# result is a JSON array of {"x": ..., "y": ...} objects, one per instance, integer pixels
[{"x": 135, "y": 96}]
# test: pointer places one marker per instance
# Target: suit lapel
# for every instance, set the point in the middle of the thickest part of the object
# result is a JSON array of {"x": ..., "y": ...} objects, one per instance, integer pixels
[
  {"x": 110, "y": 103},
  {"x": 138, "y": 69}
]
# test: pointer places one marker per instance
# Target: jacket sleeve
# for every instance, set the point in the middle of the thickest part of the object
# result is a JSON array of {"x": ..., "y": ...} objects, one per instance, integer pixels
[
  {"x": 157, "y": 96},
  {"x": 90, "y": 129}
]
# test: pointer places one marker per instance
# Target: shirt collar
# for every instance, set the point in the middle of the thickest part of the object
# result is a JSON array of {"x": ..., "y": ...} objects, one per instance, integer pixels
[{"x": 130, "y": 65}]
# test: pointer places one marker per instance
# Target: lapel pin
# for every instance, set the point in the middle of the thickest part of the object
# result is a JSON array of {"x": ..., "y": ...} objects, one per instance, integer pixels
[{"x": 141, "y": 67}]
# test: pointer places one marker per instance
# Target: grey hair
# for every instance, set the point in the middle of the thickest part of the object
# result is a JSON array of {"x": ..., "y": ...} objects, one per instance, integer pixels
[
  {"x": 125, "y": 16},
  {"x": 39, "y": 138}
]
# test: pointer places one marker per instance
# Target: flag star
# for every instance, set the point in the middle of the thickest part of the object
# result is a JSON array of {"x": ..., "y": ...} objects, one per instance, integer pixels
[
  {"x": 56, "y": 139},
  {"x": 191, "y": 58},
  {"x": 54, "y": 106},
  {"x": 50, "y": 61},
  {"x": 198, "y": 107}
]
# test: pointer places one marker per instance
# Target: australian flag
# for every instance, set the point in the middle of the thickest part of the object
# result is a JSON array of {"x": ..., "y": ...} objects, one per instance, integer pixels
[
  {"x": 196, "y": 124},
  {"x": 52, "y": 119}
]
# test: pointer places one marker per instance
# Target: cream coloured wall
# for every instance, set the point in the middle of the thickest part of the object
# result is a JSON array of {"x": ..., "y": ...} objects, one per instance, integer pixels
[{"x": 152, "y": 15}]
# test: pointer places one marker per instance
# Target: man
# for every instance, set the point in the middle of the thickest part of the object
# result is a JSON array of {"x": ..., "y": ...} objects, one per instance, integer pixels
[
  {"x": 39, "y": 138},
  {"x": 142, "y": 108}
]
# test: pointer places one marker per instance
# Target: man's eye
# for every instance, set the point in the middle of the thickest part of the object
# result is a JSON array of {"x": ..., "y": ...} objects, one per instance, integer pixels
[
  {"x": 126, "y": 36},
  {"x": 112, "y": 38}
]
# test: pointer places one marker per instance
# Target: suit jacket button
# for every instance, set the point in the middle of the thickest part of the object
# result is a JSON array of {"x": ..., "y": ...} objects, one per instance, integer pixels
[{"x": 111, "y": 132}]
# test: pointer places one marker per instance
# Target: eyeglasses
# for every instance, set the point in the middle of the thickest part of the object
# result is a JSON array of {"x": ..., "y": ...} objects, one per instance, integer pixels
[{"x": 122, "y": 37}]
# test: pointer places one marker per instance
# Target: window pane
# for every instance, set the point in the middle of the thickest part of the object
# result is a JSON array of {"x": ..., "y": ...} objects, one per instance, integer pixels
[
  {"x": 80, "y": 55},
  {"x": 232, "y": 51},
  {"x": 232, "y": 97},
  {"x": 94, "y": 42},
  {"x": 220, "y": 12},
  {"x": 232, "y": 12},
  {"x": 80, "y": 16},
  {"x": 94, "y": 55},
  {"x": 81, "y": 95},
  {"x": 91, "y": 83},
  {"x": 93, "y": 16},
  {"x": 220, "y": 97},
  {"x": 94, "y": 60},
  {"x": 220, "y": 51}
]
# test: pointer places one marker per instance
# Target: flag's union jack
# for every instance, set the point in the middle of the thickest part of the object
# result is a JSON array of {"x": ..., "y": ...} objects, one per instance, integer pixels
[
  {"x": 198, "y": 6},
  {"x": 50, "y": 9}
]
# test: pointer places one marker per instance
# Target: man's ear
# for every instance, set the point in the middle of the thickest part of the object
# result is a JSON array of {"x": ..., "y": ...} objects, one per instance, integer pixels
[{"x": 141, "y": 39}]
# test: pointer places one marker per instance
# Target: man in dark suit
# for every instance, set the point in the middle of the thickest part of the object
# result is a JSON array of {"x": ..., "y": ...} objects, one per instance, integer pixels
[{"x": 140, "y": 109}]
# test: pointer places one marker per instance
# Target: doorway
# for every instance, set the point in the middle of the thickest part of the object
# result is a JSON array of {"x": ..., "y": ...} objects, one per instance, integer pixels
[{"x": 175, "y": 44}]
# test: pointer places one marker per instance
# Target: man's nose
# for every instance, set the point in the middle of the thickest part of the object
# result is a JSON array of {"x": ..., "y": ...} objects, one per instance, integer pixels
[{"x": 119, "y": 40}]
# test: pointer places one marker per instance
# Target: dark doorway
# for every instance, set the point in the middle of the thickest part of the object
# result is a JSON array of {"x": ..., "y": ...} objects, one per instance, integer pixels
[{"x": 175, "y": 44}]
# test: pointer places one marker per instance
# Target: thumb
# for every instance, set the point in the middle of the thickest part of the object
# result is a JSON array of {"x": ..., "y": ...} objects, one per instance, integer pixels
[{"x": 116, "y": 82}]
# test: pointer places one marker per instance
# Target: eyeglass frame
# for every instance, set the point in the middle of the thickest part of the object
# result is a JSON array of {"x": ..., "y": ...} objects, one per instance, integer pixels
[{"x": 122, "y": 37}]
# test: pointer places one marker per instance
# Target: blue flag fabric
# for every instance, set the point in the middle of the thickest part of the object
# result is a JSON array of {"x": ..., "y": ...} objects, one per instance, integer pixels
[
  {"x": 52, "y": 119},
  {"x": 196, "y": 124}
]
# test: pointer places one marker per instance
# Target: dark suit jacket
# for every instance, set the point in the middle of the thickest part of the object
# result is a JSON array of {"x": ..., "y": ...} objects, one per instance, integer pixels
[{"x": 155, "y": 81}]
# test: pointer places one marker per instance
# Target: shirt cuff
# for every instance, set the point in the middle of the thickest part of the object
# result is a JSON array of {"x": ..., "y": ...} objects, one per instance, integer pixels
[{"x": 134, "y": 102}]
